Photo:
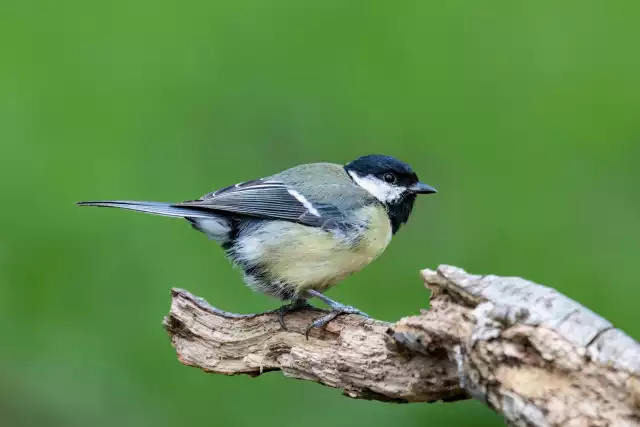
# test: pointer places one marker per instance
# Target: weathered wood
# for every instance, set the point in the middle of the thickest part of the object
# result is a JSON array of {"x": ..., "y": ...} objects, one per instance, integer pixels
[
  {"x": 527, "y": 351},
  {"x": 354, "y": 354}
]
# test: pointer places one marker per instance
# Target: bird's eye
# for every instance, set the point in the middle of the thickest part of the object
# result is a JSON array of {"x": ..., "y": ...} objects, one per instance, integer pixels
[{"x": 389, "y": 177}]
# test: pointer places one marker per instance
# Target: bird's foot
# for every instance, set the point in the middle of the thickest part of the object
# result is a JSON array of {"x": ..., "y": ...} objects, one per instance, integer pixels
[
  {"x": 288, "y": 308},
  {"x": 335, "y": 305},
  {"x": 336, "y": 310}
]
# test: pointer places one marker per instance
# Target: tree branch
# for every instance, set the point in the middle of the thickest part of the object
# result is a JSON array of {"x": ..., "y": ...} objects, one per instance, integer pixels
[{"x": 527, "y": 351}]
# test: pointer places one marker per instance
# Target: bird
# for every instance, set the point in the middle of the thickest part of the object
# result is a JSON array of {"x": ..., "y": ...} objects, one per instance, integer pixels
[{"x": 297, "y": 233}]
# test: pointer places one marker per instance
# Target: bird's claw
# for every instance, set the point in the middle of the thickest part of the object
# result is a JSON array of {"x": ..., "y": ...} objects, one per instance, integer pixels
[
  {"x": 288, "y": 308},
  {"x": 335, "y": 312},
  {"x": 347, "y": 309}
]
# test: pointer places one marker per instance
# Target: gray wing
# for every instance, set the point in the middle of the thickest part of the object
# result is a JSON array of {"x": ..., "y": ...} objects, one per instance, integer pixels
[{"x": 269, "y": 198}]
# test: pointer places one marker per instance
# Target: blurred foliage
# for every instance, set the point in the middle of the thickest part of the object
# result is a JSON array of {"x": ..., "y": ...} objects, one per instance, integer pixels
[{"x": 524, "y": 115}]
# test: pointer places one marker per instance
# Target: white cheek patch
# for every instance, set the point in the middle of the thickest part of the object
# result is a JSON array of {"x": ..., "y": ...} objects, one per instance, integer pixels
[{"x": 381, "y": 190}]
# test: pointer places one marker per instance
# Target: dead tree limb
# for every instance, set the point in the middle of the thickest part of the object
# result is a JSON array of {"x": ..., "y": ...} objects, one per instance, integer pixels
[{"x": 525, "y": 350}]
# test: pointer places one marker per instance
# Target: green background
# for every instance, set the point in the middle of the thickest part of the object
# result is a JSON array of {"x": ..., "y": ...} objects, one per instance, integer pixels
[{"x": 524, "y": 115}]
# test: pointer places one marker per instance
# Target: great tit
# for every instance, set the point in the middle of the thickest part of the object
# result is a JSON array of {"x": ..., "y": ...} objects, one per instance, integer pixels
[{"x": 299, "y": 232}]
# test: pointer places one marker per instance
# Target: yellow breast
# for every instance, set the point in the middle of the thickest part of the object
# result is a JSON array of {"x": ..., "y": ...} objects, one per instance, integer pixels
[{"x": 312, "y": 258}]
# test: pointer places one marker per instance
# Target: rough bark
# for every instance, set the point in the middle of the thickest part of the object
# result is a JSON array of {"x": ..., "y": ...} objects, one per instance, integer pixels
[{"x": 525, "y": 350}]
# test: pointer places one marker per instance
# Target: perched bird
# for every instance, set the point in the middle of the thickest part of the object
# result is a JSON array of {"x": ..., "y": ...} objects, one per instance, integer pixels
[{"x": 299, "y": 232}]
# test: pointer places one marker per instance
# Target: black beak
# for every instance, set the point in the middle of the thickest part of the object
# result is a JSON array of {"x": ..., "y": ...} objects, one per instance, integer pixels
[{"x": 422, "y": 188}]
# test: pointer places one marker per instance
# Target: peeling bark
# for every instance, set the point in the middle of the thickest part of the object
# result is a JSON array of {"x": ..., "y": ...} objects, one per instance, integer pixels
[{"x": 525, "y": 350}]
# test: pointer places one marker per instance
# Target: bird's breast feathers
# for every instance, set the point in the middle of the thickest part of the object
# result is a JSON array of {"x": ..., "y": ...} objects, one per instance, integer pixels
[{"x": 311, "y": 257}]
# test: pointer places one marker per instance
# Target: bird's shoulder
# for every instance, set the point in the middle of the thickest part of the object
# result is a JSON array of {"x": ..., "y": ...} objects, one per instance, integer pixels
[{"x": 324, "y": 182}]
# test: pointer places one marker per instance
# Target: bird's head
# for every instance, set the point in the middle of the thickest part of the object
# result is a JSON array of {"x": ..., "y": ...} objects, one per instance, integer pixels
[{"x": 391, "y": 181}]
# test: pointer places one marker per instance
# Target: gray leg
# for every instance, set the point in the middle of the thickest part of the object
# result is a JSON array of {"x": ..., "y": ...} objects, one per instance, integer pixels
[{"x": 336, "y": 310}]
